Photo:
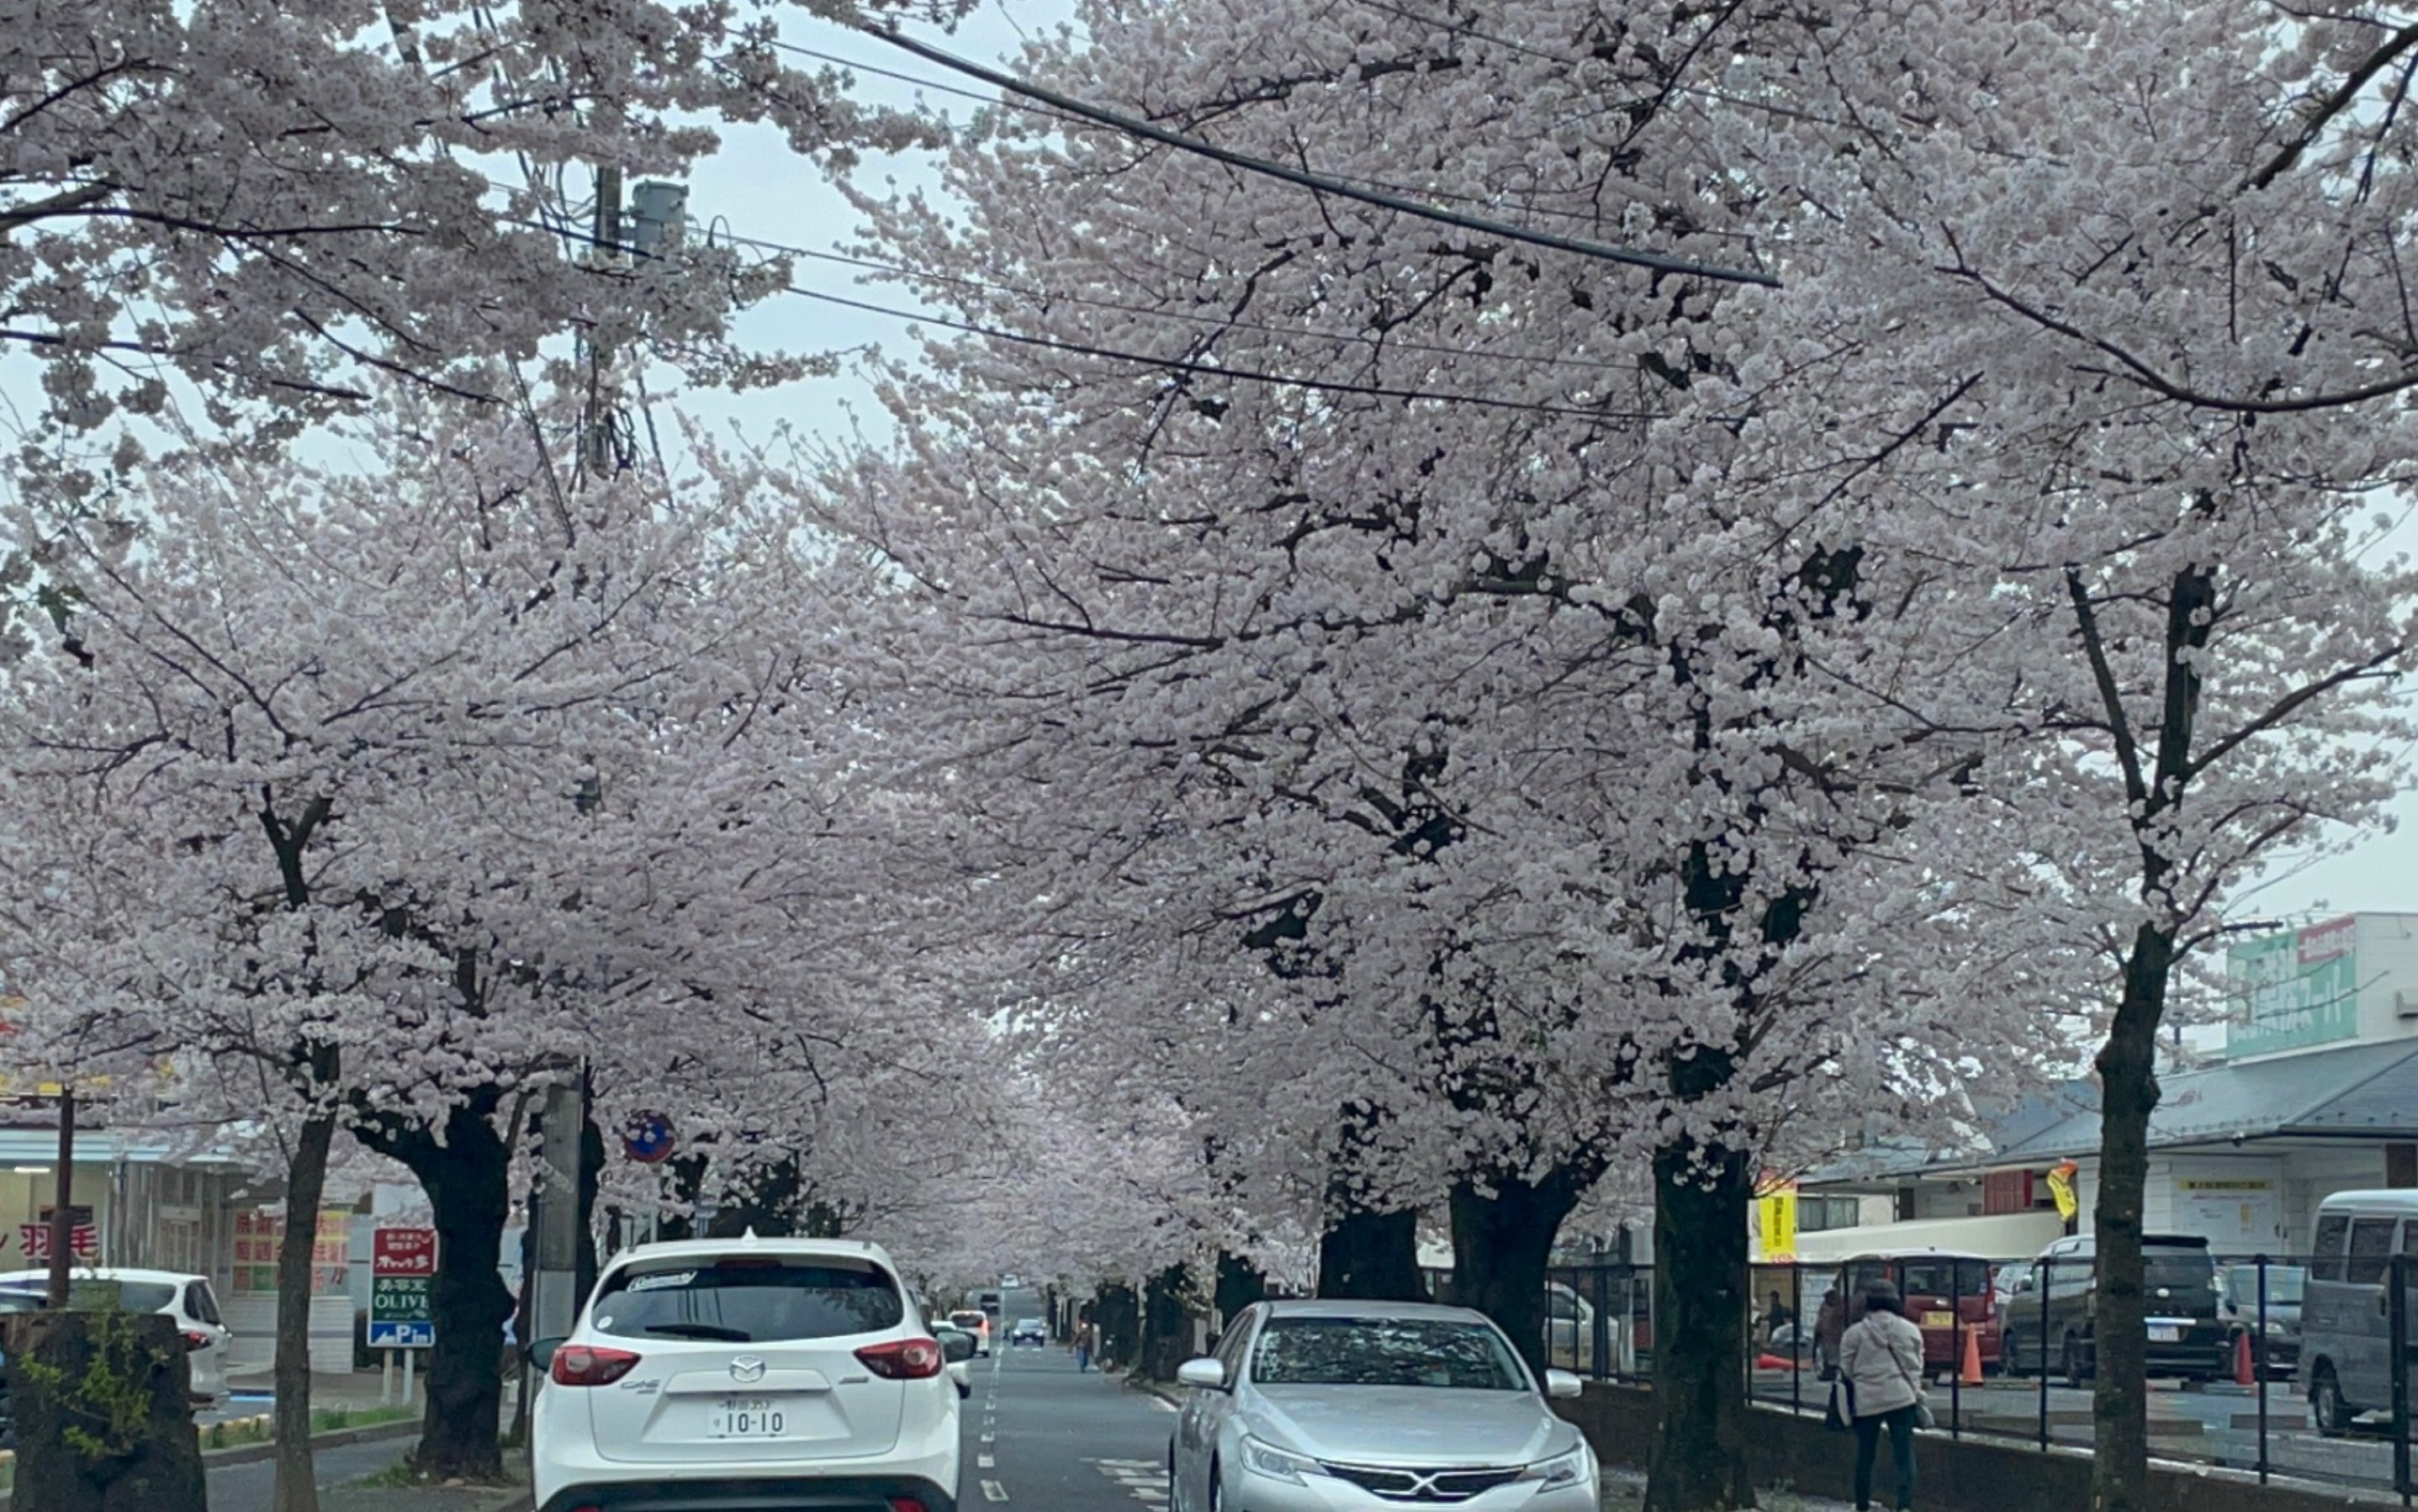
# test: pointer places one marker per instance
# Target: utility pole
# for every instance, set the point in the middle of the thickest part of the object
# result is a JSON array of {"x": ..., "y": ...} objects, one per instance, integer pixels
[
  {"x": 62, "y": 1215},
  {"x": 557, "y": 1213},
  {"x": 596, "y": 439}
]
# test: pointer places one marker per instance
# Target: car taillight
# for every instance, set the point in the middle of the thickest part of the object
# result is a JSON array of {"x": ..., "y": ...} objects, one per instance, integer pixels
[
  {"x": 904, "y": 1359},
  {"x": 907, "y": 1503},
  {"x": 589, "y": 1365},
  {"x": 195, "y": 1340}
]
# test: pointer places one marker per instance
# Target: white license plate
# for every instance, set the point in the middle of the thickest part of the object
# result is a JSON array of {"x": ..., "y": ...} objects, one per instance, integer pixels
[
  {"x": 746, "y": 1417},
  {"x": 2164, "y": 1333}
]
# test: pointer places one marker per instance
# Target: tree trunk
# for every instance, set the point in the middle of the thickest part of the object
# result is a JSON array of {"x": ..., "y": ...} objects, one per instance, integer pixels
[
  {"x": 1117, "y": 1314},
  {"x": 585, "y": 1262},
  {"x": 1370, "y": 1257},
  {"x": 1502, "y": 1238},
  {"x": 2128, "y": 1083},
  {"x": 1165, "y": 1325},
  {"x": 1239, "y": 1285},
  {"x": 306, "y": 1182},
  {"x": 121, "y": 1378},
  {"x": 466, "y": 1179},
  {"x": 1698, "y": 1459}
]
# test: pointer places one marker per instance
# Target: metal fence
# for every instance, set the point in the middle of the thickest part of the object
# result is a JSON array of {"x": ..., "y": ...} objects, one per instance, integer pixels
[{"x": 2271, "y": 1366}]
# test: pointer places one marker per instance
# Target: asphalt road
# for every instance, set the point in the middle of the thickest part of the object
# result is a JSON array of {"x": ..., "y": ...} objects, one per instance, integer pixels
[
  {"x": 247, "y": 1487},
  {"x": 1042, "y": 1436}
]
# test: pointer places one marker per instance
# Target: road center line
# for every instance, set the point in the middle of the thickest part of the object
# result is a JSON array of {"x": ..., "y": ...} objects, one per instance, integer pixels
[{"x": 994, "y": 1491}]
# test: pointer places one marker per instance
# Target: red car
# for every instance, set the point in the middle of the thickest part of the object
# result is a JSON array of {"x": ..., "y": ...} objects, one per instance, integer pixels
[{"x": 1939, "y": 1285}]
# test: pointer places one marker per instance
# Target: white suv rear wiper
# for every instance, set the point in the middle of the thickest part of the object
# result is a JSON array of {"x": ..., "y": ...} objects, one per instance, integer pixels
[{"x": 713, "y": 1331}]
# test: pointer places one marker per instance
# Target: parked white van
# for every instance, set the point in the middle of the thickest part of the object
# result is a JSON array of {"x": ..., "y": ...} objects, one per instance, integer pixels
[{"x": 2346, "y": 1319}]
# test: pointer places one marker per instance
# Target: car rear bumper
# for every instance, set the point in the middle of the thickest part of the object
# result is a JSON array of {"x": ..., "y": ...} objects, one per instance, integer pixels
[{"x": 786, "y": 1494}]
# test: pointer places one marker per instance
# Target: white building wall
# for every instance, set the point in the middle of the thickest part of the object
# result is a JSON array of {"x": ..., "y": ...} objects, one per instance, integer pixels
[
  {"x": 2311, "y": 1175},
  {"x": 2388, "y": 966}
]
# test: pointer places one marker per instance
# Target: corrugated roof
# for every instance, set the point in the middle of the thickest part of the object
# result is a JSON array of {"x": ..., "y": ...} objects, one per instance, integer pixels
[
  {"x": 2364, "y": 1089},
  {"x": 1994, "y": 1128},
  {"x": 2367, "y": 1089}
]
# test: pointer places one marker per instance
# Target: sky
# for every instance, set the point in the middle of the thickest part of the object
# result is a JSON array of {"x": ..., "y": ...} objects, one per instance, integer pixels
[{"x": 755, "y": 187}]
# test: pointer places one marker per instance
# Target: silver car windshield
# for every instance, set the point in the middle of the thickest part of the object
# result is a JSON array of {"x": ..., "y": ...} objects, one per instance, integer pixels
[{"x": 1385, "y": 1352}]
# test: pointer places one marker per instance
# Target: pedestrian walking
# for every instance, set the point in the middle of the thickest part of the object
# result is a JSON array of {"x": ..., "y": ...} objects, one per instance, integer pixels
[
  {"x": 1082, "y": 1347},
  {"x": 1881, "y": 1359},
  {"x": 1775, "y": 1318}
]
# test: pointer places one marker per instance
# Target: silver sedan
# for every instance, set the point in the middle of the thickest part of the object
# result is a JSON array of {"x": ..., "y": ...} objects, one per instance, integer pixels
[{"x": 1361, "y": 1406}]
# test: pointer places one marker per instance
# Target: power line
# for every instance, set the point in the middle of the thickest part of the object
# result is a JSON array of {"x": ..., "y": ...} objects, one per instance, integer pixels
[
  {"x": 1319, "y": 182},
  {"x": 1161, "y": 312},
  {"x": 1460, "y": 28},
  {"x": 1177, "y": 364},
  {"x": 1061, "y": 117},
  {"x": 1184, "y": 365}
]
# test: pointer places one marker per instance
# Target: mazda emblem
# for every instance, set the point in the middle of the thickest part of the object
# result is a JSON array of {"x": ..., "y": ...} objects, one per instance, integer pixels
[{"x": 746, "y": 1369}]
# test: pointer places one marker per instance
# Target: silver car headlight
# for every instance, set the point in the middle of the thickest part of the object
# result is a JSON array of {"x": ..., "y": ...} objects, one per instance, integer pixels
[
  {"x": 1264, "y": 1459},
  {"x": 1569, "y": 1469},
  {"x": 2275, "y": 1327}
]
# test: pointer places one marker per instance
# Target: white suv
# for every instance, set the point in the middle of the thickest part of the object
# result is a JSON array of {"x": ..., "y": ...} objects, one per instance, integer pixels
[
  {"x": 186, "y": 1300},
  {"x": 746, "y": 1373}
]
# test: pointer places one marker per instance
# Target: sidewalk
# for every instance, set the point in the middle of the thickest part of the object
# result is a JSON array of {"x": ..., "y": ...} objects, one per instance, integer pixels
[
  {"x": 250, "y": 1391},
  {"x": 1625, "y": 1490}
]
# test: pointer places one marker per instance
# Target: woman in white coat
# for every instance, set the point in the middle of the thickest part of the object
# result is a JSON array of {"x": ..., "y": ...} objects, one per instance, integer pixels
[{"x": 1882, "y": 1357}]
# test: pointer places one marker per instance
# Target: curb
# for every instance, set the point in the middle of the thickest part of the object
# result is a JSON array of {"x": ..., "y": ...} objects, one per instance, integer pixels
[
  {"x": 1173, "y": 1396},
  {"x": 253, "y": 1454}
]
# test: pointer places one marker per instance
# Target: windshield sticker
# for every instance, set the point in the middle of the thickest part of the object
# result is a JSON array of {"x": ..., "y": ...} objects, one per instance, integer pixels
[{"x": 660, "y": 1281}]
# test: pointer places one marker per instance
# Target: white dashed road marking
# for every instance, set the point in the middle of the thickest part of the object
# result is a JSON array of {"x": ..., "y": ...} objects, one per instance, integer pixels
[
  {"x": 994, "y": 1491},
  {"x": 1145, "y": 1480}
]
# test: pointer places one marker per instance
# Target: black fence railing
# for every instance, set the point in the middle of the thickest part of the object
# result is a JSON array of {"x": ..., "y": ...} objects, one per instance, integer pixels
[{"x": 2268, "y": 1365}]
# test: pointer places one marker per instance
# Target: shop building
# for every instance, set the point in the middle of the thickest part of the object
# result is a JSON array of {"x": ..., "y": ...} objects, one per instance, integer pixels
[{"x": 2316, "y": 1091}]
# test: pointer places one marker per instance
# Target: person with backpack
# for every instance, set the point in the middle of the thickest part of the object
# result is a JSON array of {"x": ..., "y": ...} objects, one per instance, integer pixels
[{"x": 1880, "y": 1359}]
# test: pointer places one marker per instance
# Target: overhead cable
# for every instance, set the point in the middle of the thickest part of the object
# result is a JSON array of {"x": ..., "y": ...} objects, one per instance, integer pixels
[{"x": 1132, "y": 126}]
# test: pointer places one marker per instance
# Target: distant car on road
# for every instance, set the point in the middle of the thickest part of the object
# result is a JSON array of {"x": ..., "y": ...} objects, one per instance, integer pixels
[
  {"x": 957, "y": 1347},
  {"x": 186, "y": 1300},
  {"x": 1343, "y": 1406},
  {"x": 1028, "y": 1332},
  {"x": 988, "y": 1302},
  {"x": 977, "y": 1325},
  {"x": 2237, "y": 1302}
]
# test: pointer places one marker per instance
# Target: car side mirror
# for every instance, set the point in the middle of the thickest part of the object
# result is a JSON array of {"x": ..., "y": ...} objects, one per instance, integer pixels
[
  {"x": 541, "y": 1354},
  {"x": 1208, "y": 1375},
  {"x": 957, "y": 1347},
  {"x": 1562, "y": 1386}
]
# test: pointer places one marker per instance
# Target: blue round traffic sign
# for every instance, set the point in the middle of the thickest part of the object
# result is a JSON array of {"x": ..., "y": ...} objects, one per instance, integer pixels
[{"x": 648, "y": 1138}]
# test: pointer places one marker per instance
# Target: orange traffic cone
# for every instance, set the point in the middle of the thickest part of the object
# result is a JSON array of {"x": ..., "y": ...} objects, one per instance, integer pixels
[
  {"x": 1970, "y": 1373},
  {"x": 2244, "y": 1373}
]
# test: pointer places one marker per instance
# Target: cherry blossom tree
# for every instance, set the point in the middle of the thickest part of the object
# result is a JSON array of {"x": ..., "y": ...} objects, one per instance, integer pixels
[
  {"x": 346, "y": 785},
  {"x": 279, "y": 205},
  {"x": 1414, "y": 608},
  {"x": 2161, "y": 245}
]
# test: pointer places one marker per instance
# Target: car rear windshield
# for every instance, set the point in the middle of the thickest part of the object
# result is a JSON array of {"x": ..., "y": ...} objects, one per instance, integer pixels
[
  {"x": 1385, "y": 1352},
  {"x": 1944, "y": 1279},
  {"x": 969, "y": 1320},
  {"x": 2284, "y": 1284},
  {"x": 2178, "y": 1269},
  {"x": 748, "y": 1299}
]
